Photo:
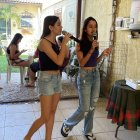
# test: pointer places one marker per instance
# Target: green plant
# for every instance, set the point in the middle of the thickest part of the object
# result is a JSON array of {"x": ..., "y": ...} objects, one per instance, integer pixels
[
  {"x": 1, "y": 51},
  {"x": 6, "y": 14},
  {"x": 3, "y": 64},
  {"x": 73, "y": 62}
]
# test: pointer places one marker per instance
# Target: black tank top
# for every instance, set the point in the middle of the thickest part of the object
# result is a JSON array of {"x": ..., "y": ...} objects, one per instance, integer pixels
[
  {"x": 45, "y": 62},
  {"x": 8, "y": 51}
]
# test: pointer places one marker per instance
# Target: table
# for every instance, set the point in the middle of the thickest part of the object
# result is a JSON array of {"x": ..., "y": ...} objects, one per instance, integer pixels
[{"x": 123, "y": 106}]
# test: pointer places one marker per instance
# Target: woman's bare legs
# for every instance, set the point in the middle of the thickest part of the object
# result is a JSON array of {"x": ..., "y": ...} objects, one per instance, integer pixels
[
  {"x": 31, "y": 79},
  {"x": 25, "y": 64},
  {"x": 50, "y": 123},
  {"x": 47, "y": 107},
  {"x": 46, "y": 103}
]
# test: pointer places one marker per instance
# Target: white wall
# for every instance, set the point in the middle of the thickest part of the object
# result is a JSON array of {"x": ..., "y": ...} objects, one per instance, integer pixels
[
  {"x": 69, "y": 10},
  {"x": 101, "y": 10}
]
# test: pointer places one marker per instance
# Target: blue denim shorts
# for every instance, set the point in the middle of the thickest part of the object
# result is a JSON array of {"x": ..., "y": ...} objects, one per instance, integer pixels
[{"x": 49, "y": 84}]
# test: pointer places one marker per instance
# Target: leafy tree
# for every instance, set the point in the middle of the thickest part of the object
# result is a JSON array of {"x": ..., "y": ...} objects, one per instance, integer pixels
[{"x": 7, "y": 14}]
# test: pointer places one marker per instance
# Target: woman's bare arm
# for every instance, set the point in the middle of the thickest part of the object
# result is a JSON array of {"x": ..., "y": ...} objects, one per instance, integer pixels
[
  {"x": 83, "y": 59},
  {"x": 106, "y": 52},
  {"x": 46, "y": 47},
  {"x": 13, "y": 54}
]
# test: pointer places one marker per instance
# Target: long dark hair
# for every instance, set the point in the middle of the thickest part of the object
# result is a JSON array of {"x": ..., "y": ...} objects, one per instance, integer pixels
[
  {"x": 85, "y": 44},
  {"x": 49, "y": 20},
  {"x": 15, "y": 39},
  {"x": 60, "y": 38}
]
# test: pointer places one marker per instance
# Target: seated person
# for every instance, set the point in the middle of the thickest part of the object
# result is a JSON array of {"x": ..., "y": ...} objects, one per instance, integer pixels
[
  {"x": 14, "y": 53},
  {"x": 34, "y": 67}
]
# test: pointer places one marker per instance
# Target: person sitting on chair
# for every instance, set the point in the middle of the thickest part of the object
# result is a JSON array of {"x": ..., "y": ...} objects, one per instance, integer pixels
[
  {"x": 34, "y": 67},
  {"x": 14, "y": 53}
]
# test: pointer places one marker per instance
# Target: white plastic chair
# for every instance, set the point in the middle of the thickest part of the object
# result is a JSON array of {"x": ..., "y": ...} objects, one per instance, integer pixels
[{"x": 10, "y": 66}]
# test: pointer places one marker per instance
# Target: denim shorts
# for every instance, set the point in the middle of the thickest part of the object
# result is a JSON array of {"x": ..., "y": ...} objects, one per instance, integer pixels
[{"x": 49, "y": 84}]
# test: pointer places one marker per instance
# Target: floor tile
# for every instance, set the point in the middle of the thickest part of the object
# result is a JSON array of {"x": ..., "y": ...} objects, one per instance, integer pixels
[
  {"x": 77, "y": 130},
  {"x": 68, "y": 138},
  {"x": 68, "y": 104},
  {"x": 58, "y": 115},
  {"x": 105, "y": 125},
  {"x": 2, "y": 109},
  {"x": 99, "y": 114},
  {"x": 56, "y": 131},
  {"x": 103, "y": 136},
  {"x": 15, "y": 108},
  {"x": 19, "y": 119},
  {"x": 67, "y": 112},
  {"x": 18, "y": 133},
  {"x": 97, "y": 128},
  {"x": 101, "y": 107},
  {"x": 2, "y": 133},
  {"x": 2, "y": 120},
  {"x": 125, "y": 135},
  {"x": 36, "y": 106}
]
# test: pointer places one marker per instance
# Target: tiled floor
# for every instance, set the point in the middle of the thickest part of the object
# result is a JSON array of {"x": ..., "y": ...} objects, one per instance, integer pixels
[{"x": 15, "y": 120}]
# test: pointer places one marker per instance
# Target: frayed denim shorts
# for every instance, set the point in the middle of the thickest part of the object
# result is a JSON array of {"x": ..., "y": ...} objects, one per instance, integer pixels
[{"x": 49, "y": 84}]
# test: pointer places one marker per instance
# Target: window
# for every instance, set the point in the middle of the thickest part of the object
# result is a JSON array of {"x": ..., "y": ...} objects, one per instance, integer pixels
[
  {"x": 26, "y": 19},
  {"x": 5, "y": 30},
  {"x": 3, "y": 26}
]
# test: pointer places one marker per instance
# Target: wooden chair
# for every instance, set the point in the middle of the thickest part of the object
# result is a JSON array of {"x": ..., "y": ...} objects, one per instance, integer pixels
[{"x": 10, "y": 66}]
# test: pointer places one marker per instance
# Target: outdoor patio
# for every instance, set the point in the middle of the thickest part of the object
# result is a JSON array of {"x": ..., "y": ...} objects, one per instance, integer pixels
[
  {"x": 16, "y": 118},
  {"x": 14, "y": 92}
]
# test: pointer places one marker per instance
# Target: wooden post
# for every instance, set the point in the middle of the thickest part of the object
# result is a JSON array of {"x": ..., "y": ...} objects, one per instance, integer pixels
[{"x": 79, "y": 5}]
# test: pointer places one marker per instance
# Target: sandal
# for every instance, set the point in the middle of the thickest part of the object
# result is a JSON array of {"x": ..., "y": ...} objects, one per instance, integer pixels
[
  {"x": 90, "y": 137},
  {"x": 65, "y": 130}
]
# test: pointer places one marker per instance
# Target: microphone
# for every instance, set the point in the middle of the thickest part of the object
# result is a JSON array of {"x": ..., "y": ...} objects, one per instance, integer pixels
[
  {"x": 95, "y": 38},
  {"x": 72, "y": 37}
]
